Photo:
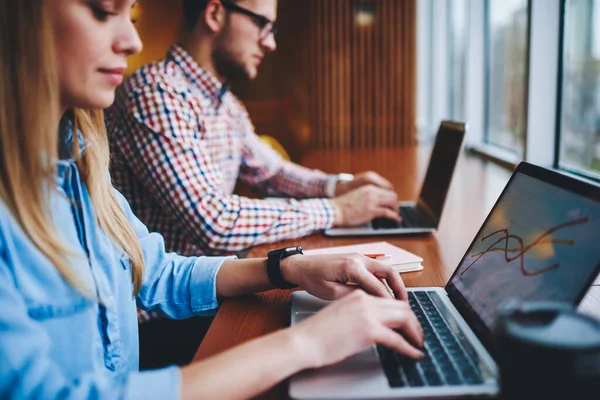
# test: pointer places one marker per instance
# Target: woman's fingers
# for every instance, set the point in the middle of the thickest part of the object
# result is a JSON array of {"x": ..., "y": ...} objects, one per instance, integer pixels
[
  {"x": 369, "y": 282},
  {"x": 392, "y": 277},
  {"x": 398, "y": 315},
  {"x": 393, "y": 340}
]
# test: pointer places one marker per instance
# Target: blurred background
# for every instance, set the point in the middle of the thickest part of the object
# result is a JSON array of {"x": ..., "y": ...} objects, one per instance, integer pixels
[
  {"x": 524, "y": 75},
  {"x": 326, "y": 84}
]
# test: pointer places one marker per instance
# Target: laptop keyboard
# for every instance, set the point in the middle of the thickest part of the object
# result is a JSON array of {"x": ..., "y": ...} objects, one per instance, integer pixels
[
  {"x": 410, "y": 218},
  {"x": 445, "y": 363}
]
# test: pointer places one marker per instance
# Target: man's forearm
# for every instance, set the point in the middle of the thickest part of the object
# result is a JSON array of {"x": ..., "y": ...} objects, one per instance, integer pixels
[
  {"x": 296, "y": 181},
  {"x": 242, "y": 222}
]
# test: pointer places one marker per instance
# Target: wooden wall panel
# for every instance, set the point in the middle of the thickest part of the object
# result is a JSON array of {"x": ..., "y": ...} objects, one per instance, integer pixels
[
  {"x": 362, "y": 77},
  {"x": 335, "y": 84}
]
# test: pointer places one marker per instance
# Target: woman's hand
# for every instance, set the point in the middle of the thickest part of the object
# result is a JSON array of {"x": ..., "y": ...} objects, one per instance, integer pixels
[
  {"x": 353, "y": 324},
  {"x": 327, "y": 276}
]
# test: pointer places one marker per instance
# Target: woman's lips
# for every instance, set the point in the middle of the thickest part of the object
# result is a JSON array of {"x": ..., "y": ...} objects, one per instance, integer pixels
[{"x": 114, "y": 75}]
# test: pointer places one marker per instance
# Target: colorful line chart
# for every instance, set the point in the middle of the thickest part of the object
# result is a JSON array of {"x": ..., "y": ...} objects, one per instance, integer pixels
[
  {"x": 539, "y": 243},
  {"x": 518, "y": 253}
]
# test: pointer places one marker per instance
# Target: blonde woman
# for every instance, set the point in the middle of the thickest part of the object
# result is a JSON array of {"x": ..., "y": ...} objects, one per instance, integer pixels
[{"x": 74, "y": 260}]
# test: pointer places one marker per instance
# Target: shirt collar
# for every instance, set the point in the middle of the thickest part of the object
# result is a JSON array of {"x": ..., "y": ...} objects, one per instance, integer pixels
[
  {"x": 65, "y": 138},
  {"x": 202, "y": 79}
]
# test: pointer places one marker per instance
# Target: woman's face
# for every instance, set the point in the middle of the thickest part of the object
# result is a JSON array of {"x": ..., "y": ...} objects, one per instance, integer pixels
[{"x": 93, "y": 39}]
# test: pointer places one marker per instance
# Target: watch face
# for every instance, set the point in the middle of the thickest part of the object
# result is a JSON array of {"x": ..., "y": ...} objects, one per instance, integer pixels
[
  {"x": 293, "y": 250},
  {"x": 343, "y": 177},
  {"x": 285, "y": 252}
]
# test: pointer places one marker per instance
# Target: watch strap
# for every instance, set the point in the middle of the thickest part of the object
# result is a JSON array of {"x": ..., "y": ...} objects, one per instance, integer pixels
[
  {"x": 333, "y": 180},
  {"x": 274, "y": 267}
]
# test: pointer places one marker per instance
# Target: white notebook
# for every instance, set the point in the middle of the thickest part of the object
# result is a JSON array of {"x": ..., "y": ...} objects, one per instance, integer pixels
[{"x": 400, "y": 259}]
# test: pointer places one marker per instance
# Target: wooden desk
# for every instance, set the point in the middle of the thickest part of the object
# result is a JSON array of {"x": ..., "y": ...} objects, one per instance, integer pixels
[{"x": 475, "y": 188}]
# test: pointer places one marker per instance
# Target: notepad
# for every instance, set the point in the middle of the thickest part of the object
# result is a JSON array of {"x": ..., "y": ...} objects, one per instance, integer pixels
[{"x": 400, "y": 259}]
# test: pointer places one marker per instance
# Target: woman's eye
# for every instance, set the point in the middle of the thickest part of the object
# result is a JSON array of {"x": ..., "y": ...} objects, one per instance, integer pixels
[{"x": 101, "y": 14}]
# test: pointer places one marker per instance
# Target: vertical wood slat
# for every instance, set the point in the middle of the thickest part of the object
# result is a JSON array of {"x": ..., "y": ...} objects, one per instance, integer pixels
[
  {"x": 346, "y": 61},
  {"x": 398, "y": 56},
  {"x": 314, "y": 41},
  {"x": 337, "y": 72},
  {"x": 388, "y": 72},
  {"x": 362, "y": 78},
  {"x": 358, "y": 97},
  {"x": 325, "y": 84},
  {"x": 412, "y": 83}
]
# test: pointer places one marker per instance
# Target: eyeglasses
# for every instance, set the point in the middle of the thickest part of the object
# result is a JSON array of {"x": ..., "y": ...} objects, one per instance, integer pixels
[{"x": 265, "y": 25}]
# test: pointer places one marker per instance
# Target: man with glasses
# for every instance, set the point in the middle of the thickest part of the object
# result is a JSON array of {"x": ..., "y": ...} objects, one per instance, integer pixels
[{"x": 181, "y": 139}]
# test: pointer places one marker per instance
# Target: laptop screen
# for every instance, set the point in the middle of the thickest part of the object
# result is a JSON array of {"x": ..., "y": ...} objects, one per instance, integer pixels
[
  {"x": 444, "y": 156},
  {"x": 539, "y": 243}
]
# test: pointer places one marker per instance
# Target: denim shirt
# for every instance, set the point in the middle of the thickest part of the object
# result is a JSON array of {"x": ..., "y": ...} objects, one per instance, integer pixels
[{"x": 56, "y": 342}]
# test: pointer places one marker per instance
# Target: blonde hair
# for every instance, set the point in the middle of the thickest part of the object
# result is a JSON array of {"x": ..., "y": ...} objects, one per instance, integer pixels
[{"x": 29, "y": 135}]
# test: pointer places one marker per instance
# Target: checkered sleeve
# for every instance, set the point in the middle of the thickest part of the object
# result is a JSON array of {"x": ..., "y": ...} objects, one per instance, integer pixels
[
  {"x": 264, "y": 169},
  {"x": 167, "y": 153}
]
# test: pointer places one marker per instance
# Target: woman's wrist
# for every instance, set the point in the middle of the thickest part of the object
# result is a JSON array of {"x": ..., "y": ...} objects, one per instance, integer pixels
[
  {"x": 284, "y": 350},
  {"x": 289, "y": 268},
  {"x": 301, "y": 346}
]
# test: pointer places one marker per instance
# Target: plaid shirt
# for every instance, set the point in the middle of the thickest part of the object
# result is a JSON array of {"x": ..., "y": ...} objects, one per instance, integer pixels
[{"x": 180, "y": 140}]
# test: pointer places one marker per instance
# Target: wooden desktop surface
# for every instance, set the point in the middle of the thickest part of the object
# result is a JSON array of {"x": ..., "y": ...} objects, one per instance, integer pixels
[{"x": 474, "y": 190}]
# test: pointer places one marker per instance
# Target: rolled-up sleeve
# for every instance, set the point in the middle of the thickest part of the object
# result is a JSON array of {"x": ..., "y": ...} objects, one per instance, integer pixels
[
  {"x": 180, "y": 287},
  {"x": 203, "y": 286}
]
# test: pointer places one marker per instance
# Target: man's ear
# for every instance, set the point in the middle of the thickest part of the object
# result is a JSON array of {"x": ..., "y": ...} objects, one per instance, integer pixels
[{"x": 214, "y": 15}]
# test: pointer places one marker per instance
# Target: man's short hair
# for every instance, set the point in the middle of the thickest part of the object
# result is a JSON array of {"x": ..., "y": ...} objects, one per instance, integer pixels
[{"x": 193, "y": 8}]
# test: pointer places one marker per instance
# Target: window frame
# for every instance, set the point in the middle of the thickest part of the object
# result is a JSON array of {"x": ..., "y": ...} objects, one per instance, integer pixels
[
  {"x": 546, "y": 33},
  {"x": 495, "y": 151},
  {"x": 580, "y": 172}
]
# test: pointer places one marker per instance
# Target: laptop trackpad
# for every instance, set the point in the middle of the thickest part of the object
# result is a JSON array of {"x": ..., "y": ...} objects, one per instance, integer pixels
[
  {"x": 301, "y": 316},
  {"x": 362, "y": 365},
  {"x": 353, "y": 378}
]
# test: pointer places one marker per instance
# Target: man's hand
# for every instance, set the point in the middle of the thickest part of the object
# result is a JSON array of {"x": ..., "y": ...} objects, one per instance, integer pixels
[
  {"x": 363, "y": 204},
  {"x": 362, "y": 179}
]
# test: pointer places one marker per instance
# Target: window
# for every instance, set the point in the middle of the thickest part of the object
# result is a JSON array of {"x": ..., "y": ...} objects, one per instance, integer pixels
[
  {"x": 442, "y": 63},
  {"x": 506, "y": 59},
  {"x": 523, "y": 74},
  {"x": 457, "y": 48},
  {"x": 580, "y": 102}
]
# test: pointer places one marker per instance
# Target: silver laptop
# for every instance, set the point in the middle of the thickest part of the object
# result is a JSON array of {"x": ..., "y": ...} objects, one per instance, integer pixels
[
  {"x": 538, "y": 243},
  {"x": 423, "y": 216}
]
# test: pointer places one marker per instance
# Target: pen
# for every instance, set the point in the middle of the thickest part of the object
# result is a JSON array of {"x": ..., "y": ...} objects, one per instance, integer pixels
[{"x": 377, "y": 256}]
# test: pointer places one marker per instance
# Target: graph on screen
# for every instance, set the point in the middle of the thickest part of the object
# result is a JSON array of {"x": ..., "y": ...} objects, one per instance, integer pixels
[
  {"x": 539, "y": 243},
  {"x": 518, "y": 253}
]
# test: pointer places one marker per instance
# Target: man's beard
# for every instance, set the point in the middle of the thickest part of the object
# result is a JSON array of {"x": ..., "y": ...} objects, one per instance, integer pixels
[{"x": 225, "y": 60}]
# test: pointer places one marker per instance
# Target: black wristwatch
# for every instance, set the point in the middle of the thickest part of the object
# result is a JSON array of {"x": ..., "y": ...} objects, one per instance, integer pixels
[{"x": 274, "y": 258}]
